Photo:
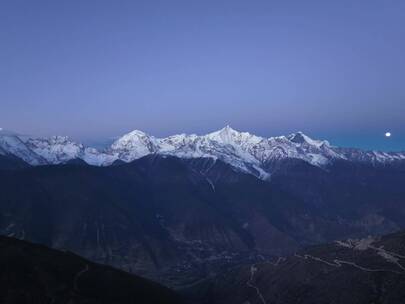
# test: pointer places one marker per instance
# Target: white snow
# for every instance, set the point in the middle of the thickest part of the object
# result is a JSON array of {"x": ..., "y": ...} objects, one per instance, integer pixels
[
  {"x": 13, "y": 145},
  {"x": 243, "y": 151}
]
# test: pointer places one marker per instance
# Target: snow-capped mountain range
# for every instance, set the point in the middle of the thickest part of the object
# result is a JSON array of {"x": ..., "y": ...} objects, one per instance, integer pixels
[{"x": 243, "y": 151}]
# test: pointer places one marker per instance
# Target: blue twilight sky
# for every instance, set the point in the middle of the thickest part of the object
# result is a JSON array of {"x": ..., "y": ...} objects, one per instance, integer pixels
[{"x": 96, "y": 69}]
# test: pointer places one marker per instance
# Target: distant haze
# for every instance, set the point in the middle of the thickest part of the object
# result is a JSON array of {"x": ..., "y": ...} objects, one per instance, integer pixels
[{"x": 94, "y": 70}]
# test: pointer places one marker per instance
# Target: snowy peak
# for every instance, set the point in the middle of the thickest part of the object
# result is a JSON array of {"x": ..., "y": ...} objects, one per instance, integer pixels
[
  {"x": 228, "y": 135},
  {"x": 11, "y": 144},
  {"x": 225, "y": 135},
  {"x": 133, "y": 138},
  {"x": 133, "y": 145},
  {"x": 61, "y": 149},
  {"x": 243, "y": 151},
  {"x": 300, "y": 138},
  {"x": 133, "y": 135},
  {"x": 56, "y": 149}
]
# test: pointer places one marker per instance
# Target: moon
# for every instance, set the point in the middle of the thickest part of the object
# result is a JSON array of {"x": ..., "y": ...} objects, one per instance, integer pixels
[{"x": 388, "y": 134}]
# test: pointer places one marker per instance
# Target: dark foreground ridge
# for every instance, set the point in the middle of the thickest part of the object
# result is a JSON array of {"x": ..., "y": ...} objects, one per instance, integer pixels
[{"x": 36, "y": 274}]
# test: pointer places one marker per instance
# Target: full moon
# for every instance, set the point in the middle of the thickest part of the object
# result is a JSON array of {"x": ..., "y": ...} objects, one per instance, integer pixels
[{"x": 388, "y": 134}]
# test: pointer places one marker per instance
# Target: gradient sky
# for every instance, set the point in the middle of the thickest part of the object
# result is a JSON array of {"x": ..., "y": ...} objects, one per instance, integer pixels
[{"x": 97, "y": 69}]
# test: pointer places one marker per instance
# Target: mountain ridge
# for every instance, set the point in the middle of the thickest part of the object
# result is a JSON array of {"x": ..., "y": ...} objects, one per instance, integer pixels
[
  {"x": 244, "y": 151},
  {"x": 33, "y": 273}
]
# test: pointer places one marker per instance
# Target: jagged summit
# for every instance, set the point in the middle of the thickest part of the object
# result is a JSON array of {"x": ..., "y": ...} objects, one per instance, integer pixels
[
  {"x": 134, "y": 133},
  {"x": 228, "y": 135},
  {"x": 244, "y": 151},
  {"x": 300, "y": 138},
  {"x": 133, "y": 145},
  {"x": 225, "y": 134}
]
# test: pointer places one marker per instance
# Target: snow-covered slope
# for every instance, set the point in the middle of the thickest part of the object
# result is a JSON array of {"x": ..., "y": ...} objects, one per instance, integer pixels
[
  {"x": 56, "y": 149},
  {"x": 61, "y": 149},
  {"x": 374, "y": 157},
  {"x": 244, "y": 151},
  {"x": 11, "y": 144},
  {"x": 132, "y": 146}
]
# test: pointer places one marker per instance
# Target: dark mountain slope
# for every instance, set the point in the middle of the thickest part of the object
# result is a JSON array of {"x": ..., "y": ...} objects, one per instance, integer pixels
[
  {"x": 35, "y": 274},
  {"x": 11, "y": 162},
  {"x": 362, "y": 271},
  {"x": 356, "y": 199},
  {"x": 147, "y": 216},
  {"x": 178, "y": 221}
]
